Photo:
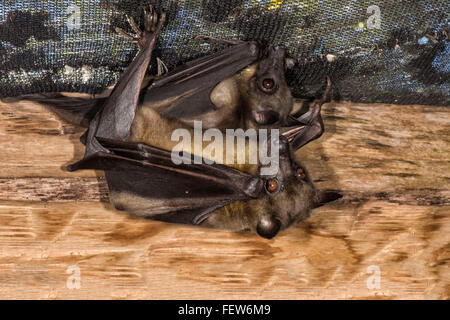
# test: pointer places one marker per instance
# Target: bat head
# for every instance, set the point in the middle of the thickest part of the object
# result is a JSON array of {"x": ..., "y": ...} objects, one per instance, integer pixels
[
  {"x": 290, "y": 195},
  {"x": 268, "y": 99}
]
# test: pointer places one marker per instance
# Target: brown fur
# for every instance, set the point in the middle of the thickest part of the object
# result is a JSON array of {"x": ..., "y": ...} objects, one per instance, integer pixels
[
  {"x": 236, "y": 98},
  {"x": 151, "y": 128},
  {"x": 289, "y": 205}
]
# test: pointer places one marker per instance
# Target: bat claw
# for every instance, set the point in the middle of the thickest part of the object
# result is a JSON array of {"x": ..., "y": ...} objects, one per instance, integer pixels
[
  {"x": 152, "y": 26},
  {"x": 151, "y": 18},
  {"x": 126, "y": 34},
  {"x": 133, "y": 25}
]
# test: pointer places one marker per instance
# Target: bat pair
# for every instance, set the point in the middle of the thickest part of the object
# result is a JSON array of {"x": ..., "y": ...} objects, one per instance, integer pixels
[{"x": 243, "y": 86}]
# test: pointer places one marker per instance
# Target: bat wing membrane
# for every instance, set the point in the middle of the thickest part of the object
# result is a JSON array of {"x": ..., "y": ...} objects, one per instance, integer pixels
[
  {"x": 151, "y": 185},
  {"x": 193, "y": 82}
]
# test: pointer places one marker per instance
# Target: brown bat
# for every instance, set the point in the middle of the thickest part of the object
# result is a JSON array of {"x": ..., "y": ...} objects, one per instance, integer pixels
[
  {"x": 243, "y": 86},
  {"x": 129, "y": 137}
]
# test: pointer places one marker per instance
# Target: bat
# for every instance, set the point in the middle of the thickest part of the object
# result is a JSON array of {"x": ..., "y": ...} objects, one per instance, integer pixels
[
  {"x": 129, "y": 139},
  {"x": 131, "y": 143},
  {"x": 242, "y": 86}
]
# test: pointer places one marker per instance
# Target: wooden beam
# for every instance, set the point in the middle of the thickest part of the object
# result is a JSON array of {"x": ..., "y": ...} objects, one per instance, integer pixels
[{"x": 390, "y": 162}]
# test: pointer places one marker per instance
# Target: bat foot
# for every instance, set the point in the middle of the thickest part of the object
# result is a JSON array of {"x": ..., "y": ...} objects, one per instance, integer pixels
[
  {"x": 314, "y": 114},
  {"x": 152, "y": 26}
]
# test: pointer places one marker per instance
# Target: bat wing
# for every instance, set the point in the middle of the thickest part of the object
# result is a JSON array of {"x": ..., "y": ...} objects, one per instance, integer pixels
[
  {"x": 114, "y": 119},
  {"x": 192, "y": 83},
  {"x": 144, "y": 180},
  {"x": 188, "y": 88},
  {"x": 304, "y": 127},
  {"x": 75, "y": 110}
]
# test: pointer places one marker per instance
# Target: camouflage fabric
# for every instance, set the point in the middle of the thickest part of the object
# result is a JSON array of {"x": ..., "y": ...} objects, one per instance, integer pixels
[{"x": 374, "y": 51}]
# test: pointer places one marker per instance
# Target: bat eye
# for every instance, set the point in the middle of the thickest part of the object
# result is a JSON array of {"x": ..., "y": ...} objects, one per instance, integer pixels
[
  {"x": 300, "y": 173},
  {"x": 272, "y": 185},
  {"x": 268, "y": 85}
]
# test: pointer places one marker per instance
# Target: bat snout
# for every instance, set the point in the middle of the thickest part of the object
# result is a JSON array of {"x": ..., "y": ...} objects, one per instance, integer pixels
[
  {"x": 266, "y": 117},
  {"x": 268, "y": 227}
]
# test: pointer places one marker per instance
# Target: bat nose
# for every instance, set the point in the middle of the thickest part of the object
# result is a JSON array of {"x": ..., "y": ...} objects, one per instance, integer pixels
[
  {"x": 266, "y": 117},
  {"x": 268, "y": 227}
]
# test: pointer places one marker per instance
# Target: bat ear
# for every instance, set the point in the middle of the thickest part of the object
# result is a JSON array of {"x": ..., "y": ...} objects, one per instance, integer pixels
[
  {"x": 324, "y": 197},
  {"x": 268, "y": 227}
]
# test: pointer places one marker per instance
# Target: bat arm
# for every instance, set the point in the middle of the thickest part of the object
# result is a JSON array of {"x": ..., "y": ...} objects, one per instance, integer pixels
[
  {"x": 312, "y": 131},
  {"x": 120, "y": 108},
  {"x": 309, "y": 126},
  {"x": 115, "y": 119}
]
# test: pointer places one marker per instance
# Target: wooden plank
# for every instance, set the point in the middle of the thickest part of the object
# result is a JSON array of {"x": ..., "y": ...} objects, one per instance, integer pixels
[
  {"x": 391, "y": 163},
  {"x": 35, "y": 142},
  {"x": 54, "y": 189},
  {"x": 327, "y": 256}
]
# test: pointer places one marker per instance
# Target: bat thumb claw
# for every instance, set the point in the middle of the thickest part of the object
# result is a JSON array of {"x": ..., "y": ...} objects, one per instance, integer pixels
[
  {"x": 162, "y": 20},
  {"x": 70, "y": 168}
]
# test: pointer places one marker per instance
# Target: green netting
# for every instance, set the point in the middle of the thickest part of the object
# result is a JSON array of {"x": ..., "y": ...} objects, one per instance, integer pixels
[{"x": 374, "y": 51}]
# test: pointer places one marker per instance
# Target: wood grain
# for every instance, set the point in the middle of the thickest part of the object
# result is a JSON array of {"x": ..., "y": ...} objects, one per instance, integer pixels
[{"x": 390, "y": 162}]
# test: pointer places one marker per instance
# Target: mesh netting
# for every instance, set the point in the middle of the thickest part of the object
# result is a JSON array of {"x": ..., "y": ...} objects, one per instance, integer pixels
[{"x": 374, "y": 51}]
